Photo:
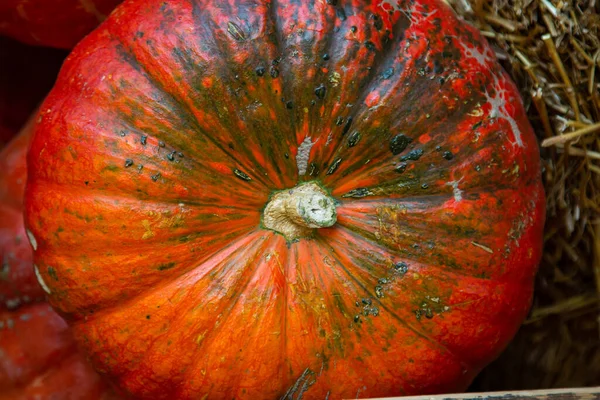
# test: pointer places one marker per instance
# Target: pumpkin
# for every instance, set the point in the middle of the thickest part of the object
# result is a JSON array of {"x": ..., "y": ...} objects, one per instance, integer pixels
[
  {"x": 286, "y": 199},
  {"x": 18, "y": 284},
  {"x": 39, "y": 359},
  {"x": 54, "y": 23}
]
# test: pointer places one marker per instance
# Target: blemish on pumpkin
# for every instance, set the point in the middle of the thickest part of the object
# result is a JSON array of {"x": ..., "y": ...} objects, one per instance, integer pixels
[
  {"x": 166, "y": 266},
  {"x": 236, "y": 32},
  {"x": 485, "y": 248},
  {"x": 40, "y": 279},
  {"x": 353, "y": 139},
  {"x": 304, "y": 154},
  {"x": 399, "y": 143},
  {"x": 241, "y": 175},
  {"x": 52, "y": 273},
  {"x": 334, "y": 79},
  {"x": 148, "y": 233},
  {"x": 334, "y": 166},
  {"x": 413, "y": 155},
  {"x": 32, "y": 240},
  {"x": 455, "y": 190},
  {"x": 320, "y": 91}
]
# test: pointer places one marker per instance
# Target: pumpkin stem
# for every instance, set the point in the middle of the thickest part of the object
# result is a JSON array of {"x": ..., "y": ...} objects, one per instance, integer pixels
[{"x": 297, "y": 212}]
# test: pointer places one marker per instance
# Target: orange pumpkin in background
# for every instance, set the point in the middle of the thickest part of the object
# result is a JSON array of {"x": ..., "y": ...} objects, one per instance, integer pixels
[
  {"x": 53, "y": 23},
  {"x": 39, "y": 359},
  {"x": 18, "y": 284}
]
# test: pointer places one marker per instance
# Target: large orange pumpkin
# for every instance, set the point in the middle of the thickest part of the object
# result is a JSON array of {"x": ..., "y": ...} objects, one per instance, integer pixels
[{"x": 301, "y": 199}]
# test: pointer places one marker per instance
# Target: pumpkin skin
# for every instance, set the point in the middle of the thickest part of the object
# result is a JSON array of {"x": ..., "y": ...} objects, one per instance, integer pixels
[
  {"x": 54, "y": 23},
  {"x": 39, "y": 359},
  {"x": 18, "y": 284},
  {"x": 174, "y": 123}
]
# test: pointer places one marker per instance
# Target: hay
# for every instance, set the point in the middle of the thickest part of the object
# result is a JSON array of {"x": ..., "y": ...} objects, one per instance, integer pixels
[{"x": 551, "y": 48}]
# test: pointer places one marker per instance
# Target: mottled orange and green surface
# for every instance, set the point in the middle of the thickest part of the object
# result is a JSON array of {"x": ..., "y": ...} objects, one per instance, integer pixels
[{"x": 173, "y": 124}]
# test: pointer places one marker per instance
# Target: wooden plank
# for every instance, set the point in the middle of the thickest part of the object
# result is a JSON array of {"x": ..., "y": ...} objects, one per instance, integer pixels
[{"x": 592, "y": 393}]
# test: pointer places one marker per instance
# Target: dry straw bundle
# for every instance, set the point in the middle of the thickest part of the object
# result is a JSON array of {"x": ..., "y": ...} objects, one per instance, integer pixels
[{"x": 552, "y": 50}]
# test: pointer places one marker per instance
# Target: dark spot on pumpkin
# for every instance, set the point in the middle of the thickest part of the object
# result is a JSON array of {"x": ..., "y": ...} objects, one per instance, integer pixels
[
  {"x": 377, "y": 22},
  {"x": 86, "y": 183},
  {"x": 289, "y": 105},
  {"x": 167, "y": 266},
  {"x": 274, "y": 72},
  {"x": 347, "y": 126},
  {"x": 353, "y": 29},
  {"x": 401, "y": 267},
  {"x": 260, "y": 71},
  {"x": 399, "y": 143},
  {"x": 387, "y": 74},
  {"x": 334, "y": 166},
  {"x": 128, "y": 163},
  {"x": 236, "y": 32},
  {"x": 448, "y": 155},
  {"x": 143, "y": 140},
  {"x": 412, "y": 155},
  {"x": 242, "y": 175},
  {"x": 320, "y": 91},
  {"x": 400, "y": 168},
  {"x": 358, "y": 193},
  {"x": 341, "y": 14},
  {"x": 52, "y": 273},
  {"x": 161, "y": 144},
  {"x": 370, "y": 45},
  {"x": 353, "y": 139},
  {"x": 147, "y": 316},
  {"x": 155, "y": 177}
]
